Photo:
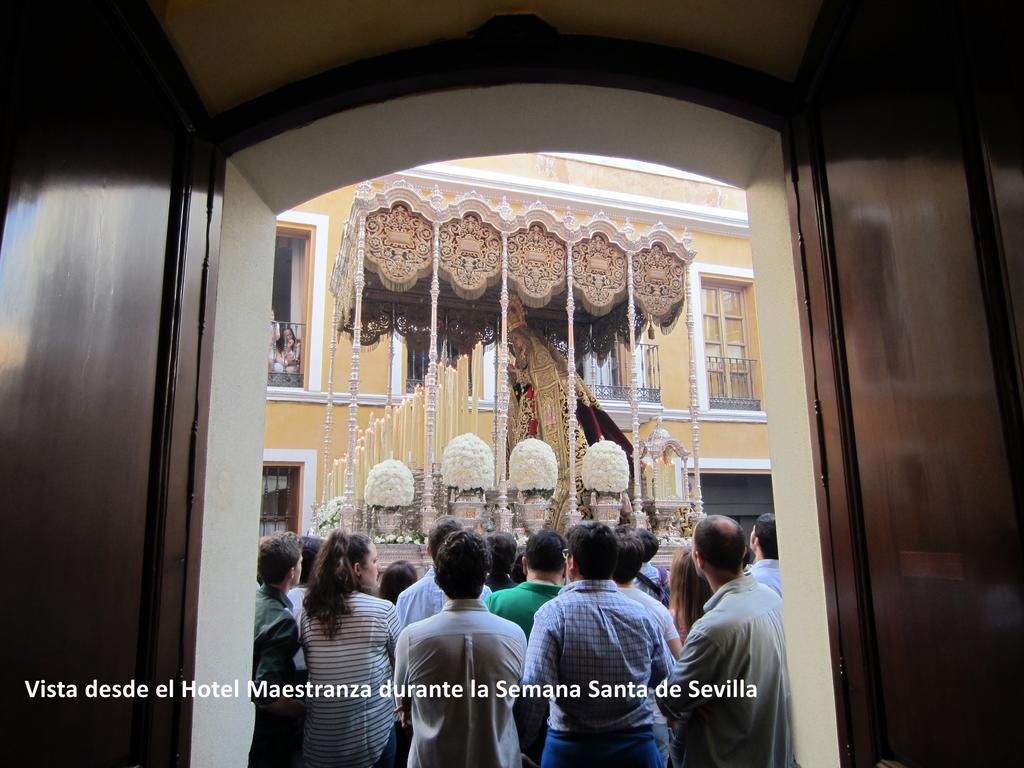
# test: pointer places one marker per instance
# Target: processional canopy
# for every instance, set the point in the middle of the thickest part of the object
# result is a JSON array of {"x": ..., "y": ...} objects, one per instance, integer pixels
[{"x": 403, "y": 228}]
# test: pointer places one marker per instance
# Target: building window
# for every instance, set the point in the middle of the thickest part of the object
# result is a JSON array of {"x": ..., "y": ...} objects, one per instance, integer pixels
[
  {"x": 730, "y": 367},
  {"x": 610, "y": 380},
  {"x": 282, "y": 491},
  {"x": 417, "y": 363},
  {"x": 285, "y": 357}
]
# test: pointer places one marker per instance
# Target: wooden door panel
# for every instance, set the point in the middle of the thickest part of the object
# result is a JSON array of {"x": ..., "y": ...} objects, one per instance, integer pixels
[{"x": 919, "y": 439}]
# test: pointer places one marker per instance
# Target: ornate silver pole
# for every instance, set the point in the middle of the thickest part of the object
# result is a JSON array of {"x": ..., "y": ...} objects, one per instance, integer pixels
[
  {"x": 502, "y": 396},
  {"x": 639, "y": 519},
  {"x": 391, "y": 362},
  {"x": 593, "y": 359},
  {"x": 329, "y": 411},
  {"x": 570, "y": 388},
  {"x": 429, "y": 513},
  {"x": 348, "y": 509},
  {"x": 694, "y": 399},
  {"x": 494, "y": 400}
]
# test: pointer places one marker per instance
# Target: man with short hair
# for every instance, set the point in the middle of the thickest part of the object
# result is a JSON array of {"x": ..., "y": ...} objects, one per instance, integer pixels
[
  {"x": 765, "y": 546},
  {"x": 464, "y": 644},
  {"x": 651, "y": 579},
  {"x": 425, "y": 598},
  {"x": 545, "y": 574},
  {"x": 737, "y": 645},
  {"x": 503, "y": 555},
  {"x": 275, "y": 642},
  {"x": 590, "y": 632},
  {"x": 627, "y": 568}
]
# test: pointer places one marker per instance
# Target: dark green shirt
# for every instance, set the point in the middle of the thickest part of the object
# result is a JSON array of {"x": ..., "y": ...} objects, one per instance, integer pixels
[
  {"x": 521, "y": 602},
  {"x": 276, "y": 638}
]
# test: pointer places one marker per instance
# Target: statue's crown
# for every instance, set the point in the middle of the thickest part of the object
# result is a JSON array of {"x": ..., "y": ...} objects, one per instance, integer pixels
[{"x": 516, "y": 313}]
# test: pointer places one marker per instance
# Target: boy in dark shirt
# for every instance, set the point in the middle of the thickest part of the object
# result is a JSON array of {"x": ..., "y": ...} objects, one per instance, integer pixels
[{"x": 275, "y": 641}]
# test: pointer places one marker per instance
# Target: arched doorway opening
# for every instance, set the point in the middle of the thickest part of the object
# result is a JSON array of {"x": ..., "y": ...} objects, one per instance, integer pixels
[{"x": 373, "y": 140}]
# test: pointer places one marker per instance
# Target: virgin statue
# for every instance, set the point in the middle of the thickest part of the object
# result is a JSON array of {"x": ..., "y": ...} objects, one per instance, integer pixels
[{"x": 538, "y": 407}]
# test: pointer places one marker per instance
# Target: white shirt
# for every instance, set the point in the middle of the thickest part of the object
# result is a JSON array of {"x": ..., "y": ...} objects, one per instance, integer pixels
[
  {"x": 464, "y": 642},
  {"x": 767, "y": 572},
  {"x": 295, "y": 596},
  {"x": 424, "y": 599},
  {"x": 657, "y": 611},
  {"x": 739, "y": 637},
  {"x": 663, "y": 619}
]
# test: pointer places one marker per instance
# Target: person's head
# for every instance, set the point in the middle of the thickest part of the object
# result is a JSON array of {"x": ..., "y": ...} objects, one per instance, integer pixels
[
  {"x": 332, "y": 581},
  {"x": 280, "y": 560},
  {"x": 518, "y": 572},
  {"x": 310, "y": 546},
  {"x": 630, "y": 556},
  {"x": 520, "y": 345},
  {"x": 592, "y": 551},
  {"x": 763, "y": 540},
  {"x": 650, "y": 543},
  {"x": 503, "y": 553},
  {"x": 362, "y": 556},
  {"x": 289, "y": 336},
  {"x": 718, "y": 545},
  {"x": 461, "y": 564},
  {"x": 397, "y": 578},
  {"x": 544, "y": 558},
  {"x": 687, "y": 589},
  {"x": 442, "y": 527}
]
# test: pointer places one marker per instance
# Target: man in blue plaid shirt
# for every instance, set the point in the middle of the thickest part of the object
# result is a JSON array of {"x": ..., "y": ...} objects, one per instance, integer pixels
[{"x": 602, "y": 645}]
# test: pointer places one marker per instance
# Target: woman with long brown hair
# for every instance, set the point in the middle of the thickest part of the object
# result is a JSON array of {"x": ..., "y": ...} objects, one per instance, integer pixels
[
  {"x": 688, "y": 591},
  {"x": 348, "y": 637}
]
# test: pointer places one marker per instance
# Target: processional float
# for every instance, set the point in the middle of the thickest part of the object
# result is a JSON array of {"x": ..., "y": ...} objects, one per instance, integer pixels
[{"x": 407, "y": 255}]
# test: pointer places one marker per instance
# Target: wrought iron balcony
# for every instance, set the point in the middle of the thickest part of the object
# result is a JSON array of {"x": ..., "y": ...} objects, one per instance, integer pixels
[
  {"x": 731, "y": 383},
  {"x": 284, "y": 354},
  {"x": 612, "y": 392},
  {"x": 411, "y": 384}
]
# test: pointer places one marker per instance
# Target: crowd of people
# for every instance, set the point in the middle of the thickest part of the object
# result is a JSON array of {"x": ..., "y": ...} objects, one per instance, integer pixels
[{"x": 572, "y": 651}]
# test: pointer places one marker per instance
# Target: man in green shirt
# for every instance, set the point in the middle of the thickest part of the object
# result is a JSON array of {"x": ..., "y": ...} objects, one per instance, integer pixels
[
  {"x": 275, "y": 641},
  {"x": 545, "y": 575}
]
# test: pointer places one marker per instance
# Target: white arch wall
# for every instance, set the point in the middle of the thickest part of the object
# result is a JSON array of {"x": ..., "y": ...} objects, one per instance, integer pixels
[
  {"x": 371, "y": 141},
  {"x": 364, "y": 143}
]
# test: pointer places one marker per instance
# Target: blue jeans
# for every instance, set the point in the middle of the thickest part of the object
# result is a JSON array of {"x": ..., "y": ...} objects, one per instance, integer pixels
[
  {"x": 634, "y": 747},
  {"x": 387, "y": 757}
]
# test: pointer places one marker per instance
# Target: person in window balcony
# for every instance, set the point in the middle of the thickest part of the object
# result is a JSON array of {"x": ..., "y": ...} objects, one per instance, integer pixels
[{"x": 289, "y": 352}]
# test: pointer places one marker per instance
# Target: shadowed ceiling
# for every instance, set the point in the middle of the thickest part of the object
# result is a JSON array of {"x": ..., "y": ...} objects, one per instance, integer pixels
[{"x": 236, "y": 50}]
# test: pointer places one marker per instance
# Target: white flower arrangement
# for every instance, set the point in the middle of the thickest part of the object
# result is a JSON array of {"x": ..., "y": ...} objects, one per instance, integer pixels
[
  {"x": 532, "y": 466},
  {"x": 468, "y": 464},
  {"x": 389, "y": 484},
  {"x": 330, "y": 515},
  {"x": 605, "y": 468},
  {"x": 394, "y": 538}
]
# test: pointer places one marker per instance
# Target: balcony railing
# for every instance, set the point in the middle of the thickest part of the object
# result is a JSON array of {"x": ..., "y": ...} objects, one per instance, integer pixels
[
  {"x": 731, "y": 383},
  {"x": 284, "y": 354},
  {"x": 612, "y": 392}
]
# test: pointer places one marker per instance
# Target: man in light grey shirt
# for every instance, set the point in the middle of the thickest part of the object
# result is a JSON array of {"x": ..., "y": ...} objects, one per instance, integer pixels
[
  {"x": 464, "y": 645},
  {"x": 425, "y": 598},
  {"x": 765, "y": 546},
  {"x": 733, "y": 664}
]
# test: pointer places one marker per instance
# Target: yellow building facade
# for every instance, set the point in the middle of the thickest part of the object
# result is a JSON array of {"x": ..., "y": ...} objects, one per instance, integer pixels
[{"x": 734, "y": 461}]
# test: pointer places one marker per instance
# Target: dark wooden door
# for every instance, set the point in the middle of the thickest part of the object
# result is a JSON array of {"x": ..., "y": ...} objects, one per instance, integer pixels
[
  {"x": 110, "y": 213},
  {"x": 912, "y": 341}
]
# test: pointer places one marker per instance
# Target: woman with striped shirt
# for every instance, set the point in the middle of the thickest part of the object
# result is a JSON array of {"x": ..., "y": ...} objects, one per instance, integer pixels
[{"x": 348, "y": 638}]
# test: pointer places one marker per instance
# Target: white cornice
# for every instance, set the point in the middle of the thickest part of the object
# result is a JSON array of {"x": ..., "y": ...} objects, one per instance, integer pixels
[
  {"x": 618, "y": 409},
  {"x": 587, "y": 200},
  {"x": 640, "y": 166}
]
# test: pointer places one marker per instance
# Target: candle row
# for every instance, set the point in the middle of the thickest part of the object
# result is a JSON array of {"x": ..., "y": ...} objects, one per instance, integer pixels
[{"x": 400, "y": 433}]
